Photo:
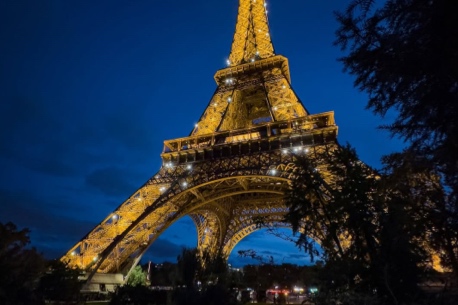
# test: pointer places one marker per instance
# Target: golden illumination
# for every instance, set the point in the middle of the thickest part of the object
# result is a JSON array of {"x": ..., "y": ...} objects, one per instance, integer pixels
[{"x": 234, "y": 168}]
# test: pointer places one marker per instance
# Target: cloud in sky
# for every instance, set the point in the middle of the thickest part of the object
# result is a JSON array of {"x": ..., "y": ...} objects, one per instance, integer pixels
[
  {"x": 50, "y": 232},
  {"x": 165, "y": 250},
  {"x": 111, "y": 181}
]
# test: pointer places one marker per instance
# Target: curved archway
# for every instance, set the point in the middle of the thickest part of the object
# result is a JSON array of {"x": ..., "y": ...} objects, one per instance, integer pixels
[{"x": 221, "y": 195}]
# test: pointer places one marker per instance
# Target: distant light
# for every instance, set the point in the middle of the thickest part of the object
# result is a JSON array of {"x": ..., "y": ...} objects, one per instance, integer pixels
[
  {"x": 184, "y": 184},
  {"x": 229, "y": 99},
  {"x": 162, "y": 189},
  {"x": 115, "y": 216},
  {"x": 196, "y": 125},
  {"x": 252, "y": 60},
  {"x": 73, "y": 253},
  {"x": 285, "y": 151},
  {"x": 189, "y": 167},
  {"x": 229, "y": 80},
  {"x": 307, "y": 150},
  {"x": 274, "y": 172},
  {"x": 275, "y": 108},
  {"x": 95, "y": 259}
]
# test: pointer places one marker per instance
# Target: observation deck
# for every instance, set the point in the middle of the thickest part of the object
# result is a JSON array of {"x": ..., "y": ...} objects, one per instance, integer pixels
[{"x": 310, "y": 130}]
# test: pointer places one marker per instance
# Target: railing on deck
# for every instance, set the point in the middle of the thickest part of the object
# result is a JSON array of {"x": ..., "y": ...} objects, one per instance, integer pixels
[{"x": 270, "y": 134}]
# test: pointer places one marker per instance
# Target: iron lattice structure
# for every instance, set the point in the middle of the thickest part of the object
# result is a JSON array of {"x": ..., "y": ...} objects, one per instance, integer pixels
[{"x": 233, "y": 168}]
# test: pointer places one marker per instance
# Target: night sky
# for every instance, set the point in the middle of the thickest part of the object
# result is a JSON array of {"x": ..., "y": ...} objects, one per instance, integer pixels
[{"x": 89, "y": 90}]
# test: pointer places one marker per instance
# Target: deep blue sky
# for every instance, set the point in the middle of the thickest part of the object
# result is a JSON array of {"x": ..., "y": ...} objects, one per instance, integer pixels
[{"x": 90, "y": 89}]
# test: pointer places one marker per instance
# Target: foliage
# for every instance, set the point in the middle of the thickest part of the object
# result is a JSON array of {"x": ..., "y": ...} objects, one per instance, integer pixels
[
  {"x": 201, "y": 266},
  {"x": 60, "y": 283},
  {"x": 265, "y": 276},
  {"x": 205, "y": 277},
  {"x": 138, "y": 295},
  {"x": 404, "y": 54},
  {"x": 254, "y": 255},
  {"x": 137, "y": 277},
  {"x": 164, "y": 274},
  {"x": 214, "y": 269},
  {"x": 20, "y": 267},
  {"x": 188, "y": 266},
  {"x": 372, "y": 227}
]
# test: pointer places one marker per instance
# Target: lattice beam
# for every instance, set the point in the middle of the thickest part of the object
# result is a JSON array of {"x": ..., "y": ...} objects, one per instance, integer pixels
[
  {"x": 205, "y": 184},
  {"x": 252, "y": 36}
]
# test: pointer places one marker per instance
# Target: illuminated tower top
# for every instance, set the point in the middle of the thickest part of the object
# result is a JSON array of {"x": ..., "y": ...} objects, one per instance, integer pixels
[
  {"x": 255, "y": 87},
  {"x": 252, "y": 37}
]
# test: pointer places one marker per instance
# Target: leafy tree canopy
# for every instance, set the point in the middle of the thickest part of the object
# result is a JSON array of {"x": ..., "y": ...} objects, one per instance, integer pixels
[
  {"x": 374, "y": 228},
  {"x": 137, "y": 277},
  {"x": 404, "y": 54}
]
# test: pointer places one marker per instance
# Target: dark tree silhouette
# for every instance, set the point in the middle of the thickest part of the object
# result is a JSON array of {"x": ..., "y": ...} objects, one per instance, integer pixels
[
  {"x": 188, "y": 267},
  {"x": 138, "y": 295},
  {"x": 374, "y": 228},
  {"x": 60, "y": 283},
  {"x": 164, "y": 274},
  {"x": 206, "y": 278},
  {"x": 20, "y": 267},
  {"x": 404, "y": 54}
]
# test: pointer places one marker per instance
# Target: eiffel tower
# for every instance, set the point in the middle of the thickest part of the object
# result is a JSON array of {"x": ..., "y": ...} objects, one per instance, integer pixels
[{"x": 232, "y": 169}]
